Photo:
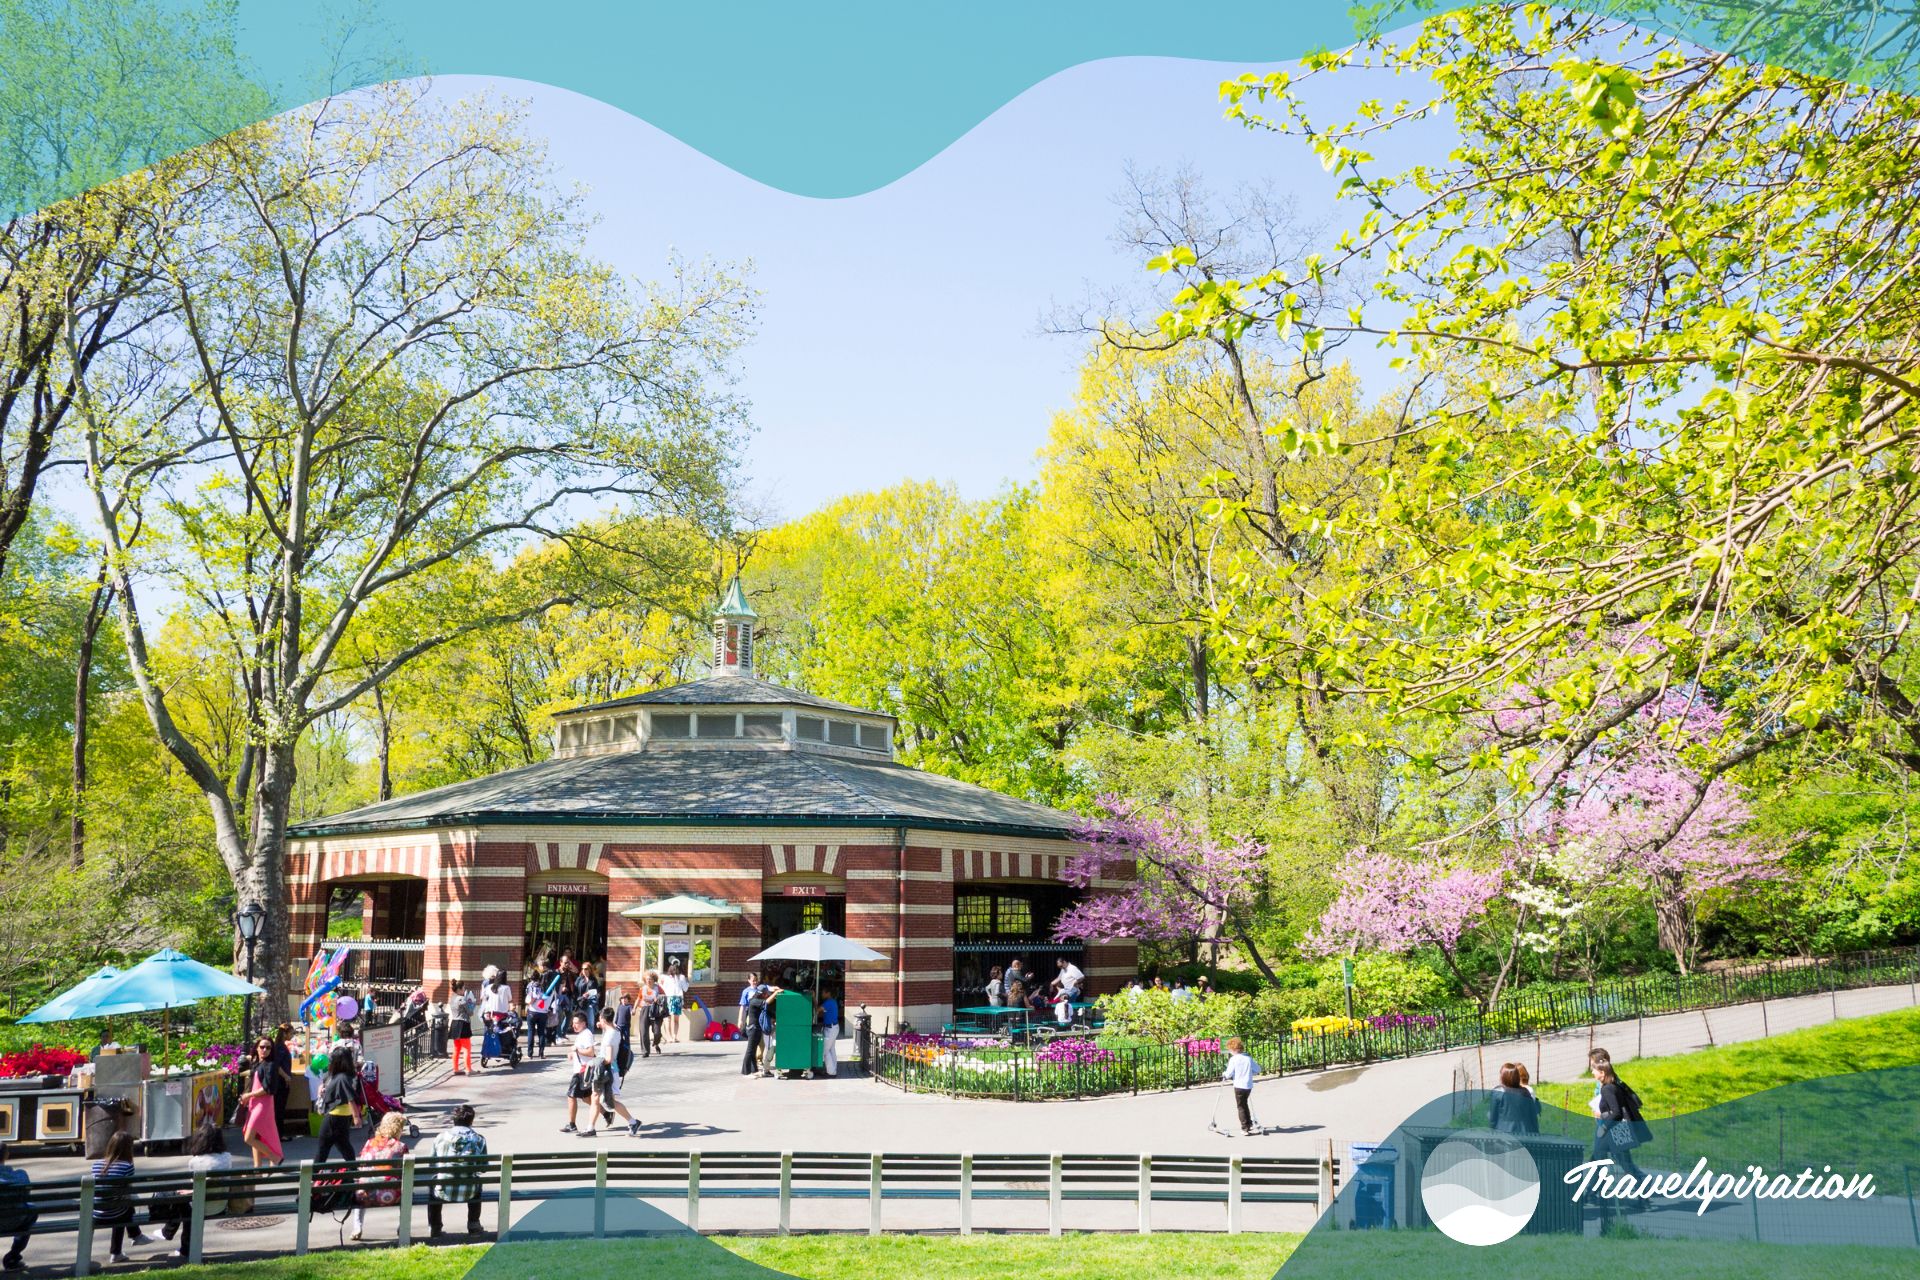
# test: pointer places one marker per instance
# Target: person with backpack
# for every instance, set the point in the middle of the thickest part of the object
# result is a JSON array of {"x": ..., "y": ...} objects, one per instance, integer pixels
[
  {"x": 1622, "y": 1128},
  {"x": 606, "y": 1077},
  {"x": 657, "y": 1005},
  {"x": 541, "y": 992},
  {"x": 113, "y": 1195},
  {"x": 340, "y": 1105},
  {"x": 384, "y": 1151},
  {"x": 456, "y": 1185}
]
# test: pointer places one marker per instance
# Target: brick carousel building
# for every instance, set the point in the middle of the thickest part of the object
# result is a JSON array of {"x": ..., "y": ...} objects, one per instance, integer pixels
[{"x": 703, "y": 822}]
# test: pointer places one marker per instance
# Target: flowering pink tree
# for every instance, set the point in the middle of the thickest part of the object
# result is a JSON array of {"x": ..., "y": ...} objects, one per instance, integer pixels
[
  {"x": 1645, "y": 818},
  {"x": 1151, "y": 877},
  {"x": 1387, "y": 903}
]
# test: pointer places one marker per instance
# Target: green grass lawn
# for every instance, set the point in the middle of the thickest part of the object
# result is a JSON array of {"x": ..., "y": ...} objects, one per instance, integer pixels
[
  {"x": 1692, "y": 1081},
  {"x": 1166, "y": 1256},
  {"x": 1340, "y": 1256}
]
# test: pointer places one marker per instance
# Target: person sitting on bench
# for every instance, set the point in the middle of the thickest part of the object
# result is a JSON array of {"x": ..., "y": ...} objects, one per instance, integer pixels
[{"x": 17, "y": 1214}]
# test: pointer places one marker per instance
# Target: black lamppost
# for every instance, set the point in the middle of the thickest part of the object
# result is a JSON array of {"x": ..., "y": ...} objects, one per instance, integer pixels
[{"x": 248, "y": 922}]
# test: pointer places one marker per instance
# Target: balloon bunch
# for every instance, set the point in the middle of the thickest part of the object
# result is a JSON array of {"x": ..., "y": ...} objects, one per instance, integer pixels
[{"x": 324, "y": 975}]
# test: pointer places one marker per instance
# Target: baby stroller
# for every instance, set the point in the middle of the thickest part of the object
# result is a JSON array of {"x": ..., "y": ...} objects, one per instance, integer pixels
[
  {"x": 502, "y": 1039},
  {"x": 379, "y": 1104}
]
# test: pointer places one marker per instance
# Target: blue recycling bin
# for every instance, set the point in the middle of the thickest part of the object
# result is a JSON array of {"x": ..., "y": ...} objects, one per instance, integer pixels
[{"x": 1373, "y": 1166}]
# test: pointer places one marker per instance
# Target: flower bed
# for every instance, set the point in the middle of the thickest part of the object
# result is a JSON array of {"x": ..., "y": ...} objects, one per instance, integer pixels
[
  {"x": 40, "y": 1060},
  {"x": 1124, "y": 1060}
]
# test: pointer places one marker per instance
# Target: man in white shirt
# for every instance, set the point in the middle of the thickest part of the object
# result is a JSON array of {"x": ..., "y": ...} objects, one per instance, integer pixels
[
  {"x": 606, "y": 1076},
  {"x": 583, "y": 1057},
  {"x": 1069, "y": 979}
]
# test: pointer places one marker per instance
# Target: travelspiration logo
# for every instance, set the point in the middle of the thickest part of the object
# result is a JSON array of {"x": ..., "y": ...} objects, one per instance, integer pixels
[
  {"x": 1480, "y": 1188},
  {"x": 1702, "y": 1185}
]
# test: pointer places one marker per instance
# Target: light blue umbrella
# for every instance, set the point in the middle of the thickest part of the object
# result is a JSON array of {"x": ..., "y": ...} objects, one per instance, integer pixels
[
  {"x": 166, "y": 980},
  {"x": 61, "y": 1007}
]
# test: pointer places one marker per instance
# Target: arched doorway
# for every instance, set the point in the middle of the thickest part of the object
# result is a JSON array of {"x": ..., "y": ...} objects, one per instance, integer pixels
[
  {"x": 567, "y": 911},
  {"x": 382, "y": 921}
]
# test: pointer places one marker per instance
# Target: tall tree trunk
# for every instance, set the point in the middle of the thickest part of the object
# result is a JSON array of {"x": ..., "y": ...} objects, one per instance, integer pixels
[
  {"x": 1673, "y": 919},
  {"x": 386, "y": 743},
  {"x": 262, "y": 877},
  {"x": 97, "y": 607}
]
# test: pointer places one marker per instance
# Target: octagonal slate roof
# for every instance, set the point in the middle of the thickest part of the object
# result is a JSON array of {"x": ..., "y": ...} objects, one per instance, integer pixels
[{"x": 740, "y": 787}]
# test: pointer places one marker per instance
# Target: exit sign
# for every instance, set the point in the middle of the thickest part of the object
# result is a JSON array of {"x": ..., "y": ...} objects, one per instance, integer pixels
[{"x": 803, "y": 891}]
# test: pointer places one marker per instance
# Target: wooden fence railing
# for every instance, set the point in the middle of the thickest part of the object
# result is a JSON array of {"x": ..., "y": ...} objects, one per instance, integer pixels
[{"x": 507, "y": 1181}]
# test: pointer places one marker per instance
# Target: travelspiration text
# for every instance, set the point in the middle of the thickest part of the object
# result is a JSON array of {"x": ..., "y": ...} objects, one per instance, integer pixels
[{"x": 1706, "y": 1186}]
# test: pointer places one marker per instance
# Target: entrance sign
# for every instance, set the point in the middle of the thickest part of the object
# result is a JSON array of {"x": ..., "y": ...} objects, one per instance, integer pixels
[{"x": 592, "y": 888}]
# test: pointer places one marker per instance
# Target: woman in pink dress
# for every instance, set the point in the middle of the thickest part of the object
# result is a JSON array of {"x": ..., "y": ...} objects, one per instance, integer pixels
[{"x": 261, "y": 1128}]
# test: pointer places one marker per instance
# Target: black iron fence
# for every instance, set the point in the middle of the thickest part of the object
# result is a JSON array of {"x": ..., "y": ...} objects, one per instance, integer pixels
[{"x": 1068, "y": 1067}]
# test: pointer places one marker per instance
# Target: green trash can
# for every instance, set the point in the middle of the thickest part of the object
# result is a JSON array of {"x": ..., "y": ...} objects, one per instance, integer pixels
[
  {"x": 1556, "y": 1214},
  {"x": 796, "y": 1045}
]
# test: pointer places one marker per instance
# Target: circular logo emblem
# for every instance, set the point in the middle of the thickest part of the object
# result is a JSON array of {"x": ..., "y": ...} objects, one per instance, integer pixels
[{"x": 1480, "y": 1188}]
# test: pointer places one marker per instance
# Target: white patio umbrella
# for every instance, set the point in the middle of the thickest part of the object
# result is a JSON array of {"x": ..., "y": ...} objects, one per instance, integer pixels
[{"x": 816, "y": 946}]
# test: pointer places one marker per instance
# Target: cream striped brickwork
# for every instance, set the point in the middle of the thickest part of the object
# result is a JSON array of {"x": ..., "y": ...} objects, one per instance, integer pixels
[{"x": 477, "y": 879}]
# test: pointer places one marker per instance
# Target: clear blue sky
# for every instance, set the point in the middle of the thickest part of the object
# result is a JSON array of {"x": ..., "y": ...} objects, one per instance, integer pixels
[{"x": 901, "y": 332}]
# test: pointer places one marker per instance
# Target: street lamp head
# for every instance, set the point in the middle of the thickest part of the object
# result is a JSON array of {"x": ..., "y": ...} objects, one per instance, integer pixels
[{"x": 249, "y": 920}]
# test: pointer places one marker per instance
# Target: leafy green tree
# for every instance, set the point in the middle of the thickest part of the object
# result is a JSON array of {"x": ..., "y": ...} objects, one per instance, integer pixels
[
  {"x": 389, "y": 363},
  {"x": 1658, "y": 308}
]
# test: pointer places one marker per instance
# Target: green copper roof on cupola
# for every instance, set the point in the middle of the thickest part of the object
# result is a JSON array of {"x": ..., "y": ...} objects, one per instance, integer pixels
[{"x": 734, "y": 603}]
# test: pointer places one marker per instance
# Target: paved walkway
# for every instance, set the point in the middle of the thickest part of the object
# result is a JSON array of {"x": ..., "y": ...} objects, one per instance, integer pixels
[{"x": 693, "y": 1096}]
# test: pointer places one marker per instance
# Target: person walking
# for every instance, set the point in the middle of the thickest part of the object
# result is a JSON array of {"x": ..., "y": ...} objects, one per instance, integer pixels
[
  {"x": 676, "y": 984},
  {"x": 759, "y": 1021},
  {"x": 17, "y": 1212},
  {"x": 830, "y": 1034},
  {"x": 384, "y": 1151},
  {"x": 746, "y": 998},
  {"x": 1512, "y": 1108},
  {"x": 460, "y": 1032},
  {"x": 1622, "y": 1128},
  {"x": 623, "y": 1023},
  {"x": 540, "y": 998},
  {"x": 113, "y": 1195},
  {"x": 1240, "y": 1071},
  {"x": 590, "y": 992},
  {"x": 260, "y": 1128},
  {"x": 340, "y": 1105},
  {"x": 206, "y": 1153},
  {"x": 583, "y": 1055},
  {"x": 459, "y": 1184},
  {"x": 606, "y": 1077},
  {"x": 496, "y": 1008},
  {"x": 657, "y": 1006}
]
